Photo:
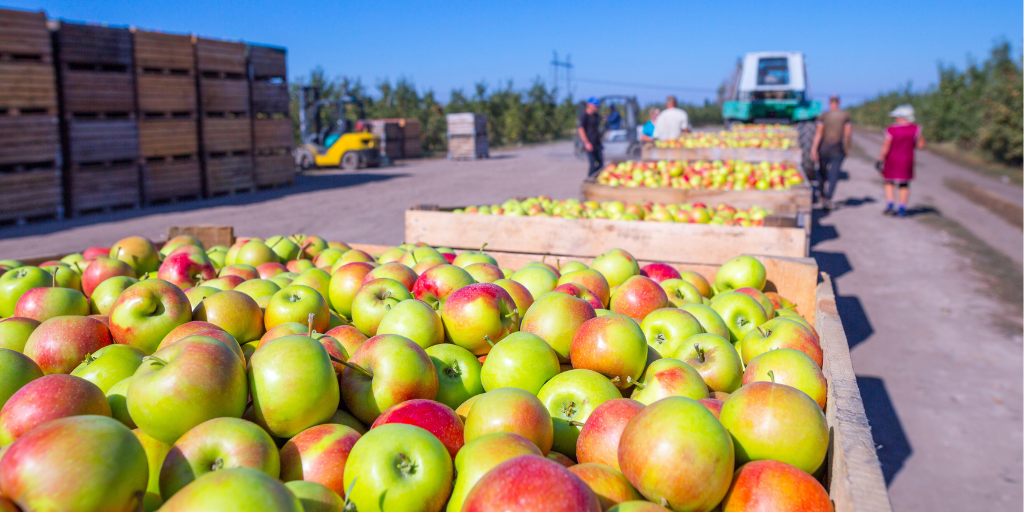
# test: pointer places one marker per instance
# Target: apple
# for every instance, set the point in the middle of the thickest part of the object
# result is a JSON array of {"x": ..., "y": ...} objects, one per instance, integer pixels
[
  {"x": 394, "y": 270},
  {"x": 790, "y": 367},
  {"x": 179, "y": 241},
  {"x": 16, "y": 370},
  {"x": 318, "y": 454},
  {"x": 257, "y": 288},
  {"x": 697, "y": 281},
  {"x": 224, "y": 282},
  {"x": 106, "y": 293},
  {"x": 217, "y": 254},
  {"x": 676, "y": 453},
  {"x": 415, "y": 320},
  {"x": 343, "y": 417},
  {"x": 570, "y": 397},
  {"x": 484, "y": 272},
  {"x": 146, "y": 311},
  {"x": 298, "y": 266},
  {"x": 777, "y": 422},
  {"x": 235, "y": 489},
  {"x": 327, "y": 257},
  {"x": 680, "y": 292},
  {"x": 481, "y": 455},
  {"x": 315, "y": 278},
  {"x": 59, "y": 344},
  {"x": 352, "y": 255},
  {"x": 761, "y": 298},
  {"x": 186, "y": 270},
  {"x": 539, "y": 280},
  {"x": 14, "y": 332},
  {"x": 616, "y": 266},
  {"x": 392, "y": 254},
  {"x": 715, "y": 359},
  {"x": 391, "y": 370},
  {"x": 467, "y": 258},
  {"x": 295, "y": 304},
  {"x": 511, "y": 410},
  {"x": 458, "y": 373},
  {"x": 109, "y": 365},
  {"x": 555, "y": 317},
  {"x": 667, "y": 329},
  {"x": 507, "y": 359},
  {"x": 580, "y": 292},
  {"x": 669, "y": 377},
  {"x": 293, "y": 385},
  {"x": 589, "y": 279},
  {"x": 564, "y": 460},
  {"x": 185, "y": 330},
  {"x": 64, "y": 275},
  {"x": 285, "y": 249},
  {"x": 234, "y": 312},
  {"x": 520, "y": 295},
  {"x": 773, "y": 485},
  {"x": 193, "y": 380},
  {"x": 270, "y": 269},
  {"x": 15, "y": 283},
  {"x": 102, "y": 269},
  {"x": 255, "y": 253},
  {"x": 373, "y": 301},
  {"x": 416, "y": 254},
  {"x": 780, "y": 333},
  {"x": 117, "y": 398},
  {"x": 93, "y": 253},
  {"x": 709, "y": 319},
  {"x": 607, "y": 482},
  {"x": 739, "y": 272},
  {"x": 571, "y": 266},
  {"x": 156, "y": 451},
  {"x": 541, "y": 263},
  {"x": 435, "y": 285},
  {"x": 637, "y": 297},
  {"x": 599, "y": 437},
  {"x": 42, "y": 304},
  {"x": 434, "y": 417},
  {"x": 348, "y": 336},
  {"x": 138, "y": 252},
  {"x": 196, "y": 294},
  {"x": 345, "y": 282},
  {"x": 659, "y": 272},
  {"x": 315, "y": 497},
  {"x": 78, "y": 463},
  {"x": 741, "y": 313},
  {"x": 531, "y": 482},
  {"x": 612, "y": 345},
  {"x": 48, "y": 398},
  {"x": 246, "y": 272},
  {"x": 794, "y": 316},
  {"x": 477, "y": 315}
]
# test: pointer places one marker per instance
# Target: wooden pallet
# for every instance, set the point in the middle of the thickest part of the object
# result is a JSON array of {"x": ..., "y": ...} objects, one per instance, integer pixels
[
  {"x": 31, "y": 194},
  {"x": 650, "y": 152},
  {"x": 233, "y": 134},
  {"x": 90, "y": 141},
  {"x": 172, "y": 179},
  {"x": 272, "y": 133},
  {"x": 221, "y": 57},
  {"x": 268, "y": 62},
  {"x": 168, "y": 137},
  {"x": 228, "y": 174},
  {"x": 29, "y": 139},
  {"x": 669, "y": 242},
  {"x": 24, "y": 36},
  {"x": 102, "y": 187},
  {"x": 796, "y": 199},
  {"x": 274, "y": 169},
  {"x": 76, "y": 43},
  {"x": 466, "y": 123}
]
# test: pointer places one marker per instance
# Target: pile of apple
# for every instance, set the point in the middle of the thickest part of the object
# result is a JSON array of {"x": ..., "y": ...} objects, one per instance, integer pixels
[
  {"x": 294, "y": 374},
  {"x": 702, "y": 175},
  {"x": 698, "y": 213},
  {"x": 784, "y": 129},
  {"x": 751, "y": 138}
]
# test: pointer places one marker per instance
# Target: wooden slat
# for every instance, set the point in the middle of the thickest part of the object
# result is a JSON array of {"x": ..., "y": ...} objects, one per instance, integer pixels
[
  {"x": 229, "y": 174},
  {"x": 270, "y": 97},
  {"x": 25, "y": 33},
  {"x": 796, "y": 199},
  {"x": 93, "y": 44},
  {"x": 221, "y": 95},
  {"x": 268, "y": 62},
  {"x": 95, "y": 91},
  {"x": 166, "y": 51},
  {"x": 103, "y": 140},
  {"x": 168, "y": 137},
  {"x": 227, "y": 135},
  {"x": 172, "y": 179},
  {"x": 272, "y": 170},
  {"x": 466, "y": 123},
  {"x": 222, "y": 56},
  {"x": 793, "y": 154},
  {"x": 29, "y": 194},
  {"x": 103, "y": 187},
  {"x": 272, "y": 133},
  {"x": 29, "y": 139},
  {"x": 28, "y": 85},
  {"x": 208, "y": 235},
  {"x": 166, "y": 93}
]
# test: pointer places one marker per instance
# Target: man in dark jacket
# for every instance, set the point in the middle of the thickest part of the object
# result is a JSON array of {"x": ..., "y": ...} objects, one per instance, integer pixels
[{"x": 589, "y": 128}]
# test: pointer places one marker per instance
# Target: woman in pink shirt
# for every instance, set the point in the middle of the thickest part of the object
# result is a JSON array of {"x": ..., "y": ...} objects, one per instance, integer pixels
[{"x": 896, "y": 160}]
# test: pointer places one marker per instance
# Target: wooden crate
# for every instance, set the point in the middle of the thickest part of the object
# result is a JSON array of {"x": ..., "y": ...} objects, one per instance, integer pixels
[
  {"x": 94, "y": 93},
  {"x": 31, "y": 194},
  {"x": 94, "y": 45},
  {"x": 796, "y": 199},
  {"x": 166, "y": 95},
  {"x": 228, "y": 174},
  {"x": 412, "y": 148},
  {"x": 164, "y": 74},
  {"x": 227, "y": 134},
  {"x": 101, "y": 187},
  {"x": 270, "y": 97},
  {"x": 209, "y": 235},
  {"x": 466, "y": 123},
  {"x": 275, "y": 169},
  {"x": 650, "y": 152},
  {"x": 221, "y": 59},
  {"x": 27, "y": 88},
  {"x": 268, "y": 62},
  {"x": 669, "y": 242},
  {"x": 172, "y": 179},
  {"x": 157, "y": 52},
  {"x": 29, "y": 140},
  {"x": 467, "y": 147},
  {"x": 272, "y": 133},
  {"x": 168, "y": 137},
  {"x": 23, "y": 34},
  {"x": 219, "y": 95},
  {"x": 96, "y": 141}
]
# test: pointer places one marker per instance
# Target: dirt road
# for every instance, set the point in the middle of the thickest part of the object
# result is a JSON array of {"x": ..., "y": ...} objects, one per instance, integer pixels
[{"x": 931, "y": 304}]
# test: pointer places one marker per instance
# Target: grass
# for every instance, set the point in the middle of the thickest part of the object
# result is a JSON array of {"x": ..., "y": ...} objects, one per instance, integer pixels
[
  {"x": 976, "y": 163},
  {"x": 1008, "y": 211}
]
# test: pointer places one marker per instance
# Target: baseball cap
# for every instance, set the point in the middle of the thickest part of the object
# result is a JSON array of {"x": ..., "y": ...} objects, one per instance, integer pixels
[{"x": 593, "y": 101}]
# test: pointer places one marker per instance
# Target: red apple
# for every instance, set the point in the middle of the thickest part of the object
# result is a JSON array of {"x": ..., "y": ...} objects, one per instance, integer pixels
[
  {"x": 60, "y": 344},
  {"x": 185, "y": 330},
  {"x": 348, "y": 336},
  {"x": 223, "y": 283},
  {"x": 435, "y": 285},
  {"x": 318, "y": 454},
  {"x": 773, "y": 485},
  {"x": 392, "y": 370},
  {"x": 345, "y": 282},
  {"x": 393, "y": 270},
  {"x": 612, "y": 345},
  {"x": 481, "y": 455},
  {"x": 564, "y": 460},
  {"x": 599, "y": 437},
  {"x": 659, "y": 272},
  {"x": 46, "y": 399},
  {"x": 93, "y": 253},
  {"x": 41, "y": 304},
  {"x": 246, "y": 272},
  {"x": 529, "y": 483},
  {"x": 510, "y": 410},
  {"x": 271, "y": 269},
  {"x": 637, "y": 297},
  {"x": 434, "y": 417},
  {"x": 102, "y": 269},
  {"x": 580, "y": 292},
  {"x": 185, "y": 270},
  {"x": 713, "y": 404},
  {"x": 591, "y": 280},
  {"x": 477, "y": 315},
  {"x": 520, "y": 295},
  {"x": 555, "y": 317},
  {"x": 607, "y": 482}
]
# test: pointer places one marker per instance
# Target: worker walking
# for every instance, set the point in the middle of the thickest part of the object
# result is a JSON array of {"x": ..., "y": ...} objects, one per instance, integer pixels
[
  {"x": 831, "y": 145},
  {"x": 671, "y": 122},
  {"x": 896, "y": 159},
  {"x": 589, "y": 128}
]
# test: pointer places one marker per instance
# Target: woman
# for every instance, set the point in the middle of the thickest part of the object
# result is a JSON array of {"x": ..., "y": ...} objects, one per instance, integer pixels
[
  {"x": 647, "y": 130},
  {"x": 896, "y": 160}
]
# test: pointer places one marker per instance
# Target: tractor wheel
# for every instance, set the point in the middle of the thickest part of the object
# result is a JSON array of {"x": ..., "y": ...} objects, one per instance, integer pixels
[
  {"x": 304, "y": 159},
  {"x": 350, "y": 161},
  {"x": 805, "y": 131}
]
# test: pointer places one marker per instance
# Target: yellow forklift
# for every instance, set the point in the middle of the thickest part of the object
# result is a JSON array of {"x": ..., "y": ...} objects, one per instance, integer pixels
[{"x": 331, "y": 140}]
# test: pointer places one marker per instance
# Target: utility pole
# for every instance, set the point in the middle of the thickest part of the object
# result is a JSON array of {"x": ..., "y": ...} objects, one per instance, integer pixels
[{"x": 556, "y": 65}]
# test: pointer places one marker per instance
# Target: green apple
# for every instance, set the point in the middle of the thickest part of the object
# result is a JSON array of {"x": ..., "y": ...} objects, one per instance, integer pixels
[
  {"x": 507, "y": 359},
  {"x": 467, "y": 258},
  {"x": 539, "y": 280},
  {"x": 384, "y": 371},
  {"x": 790, "y": 367},
  {"x": 478, "y": 315},
  {"x": 373, "y": 300},
  {"x": 285, "y": 249},
  {"x": 235, "y": 489},
  {"x": 415, "y": 320},
  {"x": 255, "y": 253},
  {"x": 511, "y": 410},
  {"x": 315, "y": 278},
  {"x": 14, "y": 284},
  {"x": 715, "y": 359},
  {"x": 780, "y": 333},
  {"x": 616, "y": 266},
  {"x": 555, "y": 317},
  {"x": 217, "y": 255},
  {"x": 709, "y": 319},
  {"x": 669, "y": 377},
  {"x": 739, "y": 272},
  {"x": 14, "y": 332},
  {"x": 570, "y": 397},
  {"x": 156, "y": 451},
  {"x": 117, "y": 398},
  {"x": 315, "y": 497},
  {"x": 107, "y": 292},
  {"x": 667, "y": 329},
  {"x": 110, "y": 365},
  {"x": 234, "y": 312},
  {"x": 398, "y": 467},
  {"x": 138, "y": 252},
  {"x": 458, "y": 374},
  {"x": 741, "y": 313},
  {"x": 345, "y": 282},
  {"x": 257, "y": 288},
  {"x": 293, "y": 385},
  {"x": 16, "y": 370},
  {"x": 681, "y": 293},
  {"x": 482, "y": 454},
  {"x": 612, "y": 345},
  {"x": 571, "y": 266},
  {"x": 296, "y": 304},
  {"x": 197, "y": 294}
]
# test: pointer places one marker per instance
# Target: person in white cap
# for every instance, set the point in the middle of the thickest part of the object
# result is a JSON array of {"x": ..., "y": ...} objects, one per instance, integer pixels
[{"x": 896, "y": 159}]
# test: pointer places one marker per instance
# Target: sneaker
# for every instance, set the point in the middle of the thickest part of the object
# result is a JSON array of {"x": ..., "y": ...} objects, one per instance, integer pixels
[
  {"x": 889, "y": 211},
  {"x": 901, "y": 213},
  {"x": 826, "y": 204}
]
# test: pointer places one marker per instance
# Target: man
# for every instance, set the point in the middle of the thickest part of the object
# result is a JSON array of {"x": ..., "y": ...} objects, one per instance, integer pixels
[
  {"x": 831, "y": 145},
  {"x": 614, "y": 121},
  {"x": 672, "y": 122},
  {"x": 589, "y": 128},
  {"x": 647, "y": 130}
]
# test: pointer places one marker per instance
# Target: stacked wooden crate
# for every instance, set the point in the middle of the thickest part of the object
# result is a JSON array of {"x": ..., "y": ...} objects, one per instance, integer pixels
[
  {"x": 97, "y": 98},
  {"x": 168, "y": 128},
  {"x": 225, "y": 123},
  {"x": 467, "y": 136},
  {"x": 271, "y": 125},
  {"x": 30, "y": 158},
  {"x": 399, "y": 137}
]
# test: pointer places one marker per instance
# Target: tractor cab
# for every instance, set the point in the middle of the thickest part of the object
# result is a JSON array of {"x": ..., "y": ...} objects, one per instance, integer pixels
[{"x": 329, "y": 139}]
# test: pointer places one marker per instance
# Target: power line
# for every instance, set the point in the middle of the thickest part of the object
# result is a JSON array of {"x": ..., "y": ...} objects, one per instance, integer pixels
[
  {"x": 555, "y": 65},
  {"x": 646, "y": 86}
]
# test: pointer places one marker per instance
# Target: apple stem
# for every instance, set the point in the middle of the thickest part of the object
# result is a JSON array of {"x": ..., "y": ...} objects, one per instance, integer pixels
[
  {"x": 488, "y": 340},
  {"x": 309, "y": 321},
  {"x": 513, "y": 313},
  {"x": 348, "y": 494},
  {"x": 482, "y": 247},
  {"x": 55, "y": 270},
  {"x": 576, "y": 423},
  {"x": 630, "y": 380},
  {"x": 771, "y": 375},
  {"x": 352, "y": 366},
  {"x": 217, "y": 464},
  {"x": 700, "y": 352},
  {"x": 155, "y": 360}
]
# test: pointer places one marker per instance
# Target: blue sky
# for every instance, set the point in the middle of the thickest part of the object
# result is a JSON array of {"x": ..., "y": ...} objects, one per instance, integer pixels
[{"x": 855, "y": 49}]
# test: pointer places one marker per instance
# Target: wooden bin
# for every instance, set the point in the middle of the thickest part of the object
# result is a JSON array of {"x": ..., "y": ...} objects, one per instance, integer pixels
[
  {"x": 467, "y": 136},
  {"x": 272, "y": 143},
  {"x": 273, "y": 139},
  {"x": 669, "y": 242},
  {"x": 268, "y": 74},
  {"x": 225, "y": 116},
  {"x": 797, "y": 198},
  {"x": 793, "y": 154},
  {"x": 102, "y": 165}
]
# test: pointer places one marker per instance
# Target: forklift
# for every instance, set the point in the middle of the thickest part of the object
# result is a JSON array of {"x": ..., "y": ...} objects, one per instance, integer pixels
[
  {"x": 620, "y": 144},
  {"x": 328, "y": 138}
]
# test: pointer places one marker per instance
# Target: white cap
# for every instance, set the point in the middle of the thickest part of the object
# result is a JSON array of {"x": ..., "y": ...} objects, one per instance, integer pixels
[{"x": 904, "y": 111}]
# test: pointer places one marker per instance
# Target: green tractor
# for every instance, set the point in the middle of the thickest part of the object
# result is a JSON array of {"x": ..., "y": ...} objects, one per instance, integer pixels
[{"x": 772, "y": 88}]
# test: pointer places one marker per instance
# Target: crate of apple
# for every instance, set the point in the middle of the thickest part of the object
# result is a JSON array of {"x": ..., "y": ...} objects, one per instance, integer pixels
[
  {"x": 763, "y": 139},
  {"x": 291, "y": 372},
  {"x": 697, "y": 213},
  {"x": 702, "y": 175}
]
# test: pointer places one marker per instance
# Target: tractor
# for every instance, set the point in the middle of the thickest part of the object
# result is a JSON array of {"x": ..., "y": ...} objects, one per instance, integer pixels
[
  {"x": 328, "y": 138},
  {"x": 772, "y": 88}
]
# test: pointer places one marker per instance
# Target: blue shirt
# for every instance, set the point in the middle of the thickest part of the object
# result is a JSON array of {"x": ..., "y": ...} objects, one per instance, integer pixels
[{"x": 648, "y": 129}]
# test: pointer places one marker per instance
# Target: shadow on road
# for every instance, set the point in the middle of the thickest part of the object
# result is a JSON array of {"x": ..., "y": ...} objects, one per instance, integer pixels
[
  {"x": 851, "y": 311},
  {"x": 305, "y": 182},
  {"x": 886, "y": 430}
]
